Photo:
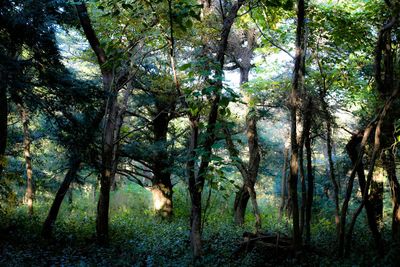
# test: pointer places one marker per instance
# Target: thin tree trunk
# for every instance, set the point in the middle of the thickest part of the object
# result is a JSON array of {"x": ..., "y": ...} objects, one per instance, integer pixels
[
  {"x": 297, "y": 88},
  {"x": 303, "y": 187},
  {"x": 376, "y": 150},
  {"x": 374, "y": 156},
  {"x": 353, "y": 149},
  {"x": 332, "y": 170},
  {"x": 254, "y": 163},
  {"x": 305, "y": 131},
  {"x": 110, "y": 131},
  {"x": 349, "y": 189},
  {"x": 284, "y": 180},
  {"x": 29, "y": 193},
  {"x": 196, "y": 182},
  {"x": 310, "y": 187},
  {"x": 195, "y": 195},
  {"x": 48, "y": 225},
  {"x": 111, "y": 134}
]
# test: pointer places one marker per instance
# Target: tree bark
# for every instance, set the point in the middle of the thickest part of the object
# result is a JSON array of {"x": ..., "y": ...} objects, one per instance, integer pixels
[
  {"x": 162, "y": 185},
  {"x": 376, "y": 150},
  {"x": 375, "y": 153},
  {"x": 349, "y": 188},
  {"x": 29, "y": 193},
  {"x": 376, "y": 196},
  {"x": 110, "y": 131},
  {"x": 353, "y": 148},
  {"x": 305, "y": 137},
  {"x": 303, "y": 187},
  {"x": 48, "y": 225},
  {"x": 241, "y": 199},
  {"x": 254, "y": 163},
  {"x": 310, "y": 187},
  {"x": 332, "y": 167},
  {"x": 196, "y": 182},
  {"x": 284, "y": 180},
  {"x": 242, "y": 56},
  {"x": 297, "y": 88}
]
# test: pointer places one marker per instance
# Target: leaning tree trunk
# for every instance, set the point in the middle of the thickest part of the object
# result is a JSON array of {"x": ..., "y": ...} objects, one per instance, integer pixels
[
  {"x": 29, "y": 193},
  {"x": 353, "y": 148},
  {"x": 375, "y": 153},
  {"x": 48, "y": 225},
  {"x": 349, "y": 188}
]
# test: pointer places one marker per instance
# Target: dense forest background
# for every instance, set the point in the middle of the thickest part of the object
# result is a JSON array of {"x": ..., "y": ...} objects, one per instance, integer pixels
[{"x": 199, "y": 133}]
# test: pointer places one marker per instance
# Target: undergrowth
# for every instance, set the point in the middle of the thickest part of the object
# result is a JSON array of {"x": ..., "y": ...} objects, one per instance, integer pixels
[{"x": 139, "y": 238}]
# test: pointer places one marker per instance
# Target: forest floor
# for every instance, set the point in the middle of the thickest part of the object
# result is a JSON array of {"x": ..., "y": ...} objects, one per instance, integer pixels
[{"x": 138, "y": 238}]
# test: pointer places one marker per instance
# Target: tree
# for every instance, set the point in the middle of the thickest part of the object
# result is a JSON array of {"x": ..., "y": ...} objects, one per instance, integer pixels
[
  {"x": 197, "y": 178},
  {"x": 297, "y": 88}
]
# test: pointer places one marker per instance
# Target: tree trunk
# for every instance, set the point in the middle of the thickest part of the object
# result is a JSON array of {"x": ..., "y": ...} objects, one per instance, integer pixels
[
  {"x": 310, "y": 187},
  {"x": 196, "y": 182},
  {"x": 375, "y": 153},
  {"x": 349, "y": 188},
  {"x": 111, "y": 135},
  {"x": 254, "y": 163},
  {"x": 108, "y": 161},
  {"x": 195, "y": 195},
  {"x": 241, "y": 200},
  {"x": 305, "y": 137},
  {"x": 162, "y": 185},
  {"x": 162, "y": 199},
  {"x": 332, "y": 168},
  {"x": 48, "y": 225},
  {"x": 195, "y": 225},
  {"x": 297, "y": 88},
  {"x": 390, "y": 166},
  {"x": 284, "y": 180},
  {"x": 3, "y": 125},
  {"x": 353, "y": 148},
  {"x": 110, "y": 129},
  {"x": 376, "y": 196},
  {"x": 29, "y": 193},
  {"x": 303, "y": 186}
]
